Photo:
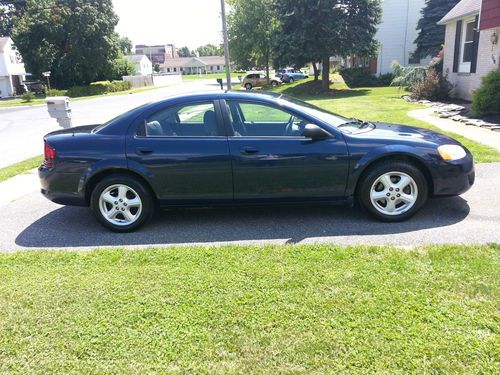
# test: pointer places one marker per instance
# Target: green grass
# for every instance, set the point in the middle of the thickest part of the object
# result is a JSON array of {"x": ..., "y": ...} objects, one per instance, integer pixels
[
  {"x": 273, "y": 309},
  {"x": 21, "y": 167},
  {"x": 377, "y": 104}
]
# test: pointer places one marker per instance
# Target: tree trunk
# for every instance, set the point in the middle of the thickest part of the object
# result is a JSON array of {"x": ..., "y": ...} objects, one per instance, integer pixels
[
  {"x": 325, "y": 73},
  {"x": 267, "y": 69},
  {"x": 315, "y": 70}
]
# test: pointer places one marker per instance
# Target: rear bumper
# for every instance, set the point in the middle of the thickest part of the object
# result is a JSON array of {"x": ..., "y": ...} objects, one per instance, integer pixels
[
  {"x": 61, "y": 188},
  {"x": 454, "y": 178}
]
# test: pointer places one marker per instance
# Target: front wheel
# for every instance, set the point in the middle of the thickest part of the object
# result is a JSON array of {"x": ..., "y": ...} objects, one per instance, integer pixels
[
  {"x": 393, "y": 191},
  {"x": 122, "y": 203},
  {"x": 248, "y": 86},
  {"x": 291, "y": 80},
  {"x": 274, "y": 83}
]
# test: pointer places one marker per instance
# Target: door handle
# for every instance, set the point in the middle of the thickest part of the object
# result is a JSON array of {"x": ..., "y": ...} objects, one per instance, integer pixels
[
  {"x": 144, "y": 150},
  {"x": 249, "y": 150}
]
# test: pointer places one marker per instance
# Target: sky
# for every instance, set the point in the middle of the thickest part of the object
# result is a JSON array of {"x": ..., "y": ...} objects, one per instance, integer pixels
[{"x": 181, "y": 22}]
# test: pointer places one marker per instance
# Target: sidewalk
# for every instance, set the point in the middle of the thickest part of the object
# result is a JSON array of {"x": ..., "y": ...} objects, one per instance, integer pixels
[
  {"x": 18, "y": 186},
  {"x": 484, "y": 136}
]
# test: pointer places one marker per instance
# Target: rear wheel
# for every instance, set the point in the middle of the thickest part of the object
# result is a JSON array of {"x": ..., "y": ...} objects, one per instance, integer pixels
[
  {"x": 291, "y": 80},
  {"x": 393, "y": 191},
  {"x": 274, "y": 83},
  {"x": 122, "y": 203},
  {"x": 248, "y": 86}
]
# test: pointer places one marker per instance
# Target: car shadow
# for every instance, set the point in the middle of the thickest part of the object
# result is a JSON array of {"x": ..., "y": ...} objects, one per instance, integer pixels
[{"x": 76, "y": 226}]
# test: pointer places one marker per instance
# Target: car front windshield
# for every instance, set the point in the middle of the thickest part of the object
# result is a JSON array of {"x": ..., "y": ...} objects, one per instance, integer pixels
[{"x": 338, "y": 121}]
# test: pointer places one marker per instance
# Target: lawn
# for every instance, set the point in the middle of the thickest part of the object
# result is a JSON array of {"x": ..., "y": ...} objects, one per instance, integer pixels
[
  {"x": 377, "y": 104},
  {"x": 273, "y": 309},
  {"x": 21, "y": 167}
]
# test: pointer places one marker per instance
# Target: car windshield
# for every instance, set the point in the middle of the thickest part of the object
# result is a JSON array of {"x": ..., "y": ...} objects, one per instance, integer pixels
[{"x": 341, "y": 122}]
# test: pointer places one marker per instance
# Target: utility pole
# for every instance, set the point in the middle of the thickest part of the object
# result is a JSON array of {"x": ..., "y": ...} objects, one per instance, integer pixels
[{"x": 226, "y": 43}]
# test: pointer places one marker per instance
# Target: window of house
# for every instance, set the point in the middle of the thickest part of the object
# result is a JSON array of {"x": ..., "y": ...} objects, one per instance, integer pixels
[
  {"x": 139, "y": 51},
  {"x": 175, "y": 69},
  {"x": 467, "y": 46},
  {"x": 168, "y": 70},
  {"x": 218, "y": 67}
]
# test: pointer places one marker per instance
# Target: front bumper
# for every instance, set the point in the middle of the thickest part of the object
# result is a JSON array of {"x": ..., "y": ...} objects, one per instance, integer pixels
[{"x": 454, "y": 177}]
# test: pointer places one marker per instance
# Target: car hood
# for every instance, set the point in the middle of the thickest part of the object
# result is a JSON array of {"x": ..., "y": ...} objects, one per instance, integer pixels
[{"x": 390, "y": 132}]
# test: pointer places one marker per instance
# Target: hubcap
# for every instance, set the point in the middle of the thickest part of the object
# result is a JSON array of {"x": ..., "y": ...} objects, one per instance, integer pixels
[
  {"x": 120, "y": 205},
  {"x": 394, "y": 193}
]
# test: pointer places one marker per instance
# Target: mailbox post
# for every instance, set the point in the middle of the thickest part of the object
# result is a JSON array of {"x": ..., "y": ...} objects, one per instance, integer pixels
[{"x": 59, "y": 108}]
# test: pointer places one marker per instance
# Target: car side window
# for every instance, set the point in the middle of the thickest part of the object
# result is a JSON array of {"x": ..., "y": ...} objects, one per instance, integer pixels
[
  {"x": 261, "y": 120},
  {"x": 188, "y": 120}
]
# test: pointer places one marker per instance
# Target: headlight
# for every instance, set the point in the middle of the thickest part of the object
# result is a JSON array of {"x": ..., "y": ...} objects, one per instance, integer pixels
[{"x": 451, "y": 152}]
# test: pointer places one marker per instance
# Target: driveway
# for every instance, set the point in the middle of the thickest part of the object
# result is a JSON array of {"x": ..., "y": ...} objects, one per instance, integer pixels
[
  {"x": 35, "y": 223},
  {"x": 22, "y": 128}
]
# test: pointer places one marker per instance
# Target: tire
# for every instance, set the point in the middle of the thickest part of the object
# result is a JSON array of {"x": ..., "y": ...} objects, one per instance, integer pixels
[
  {"x": 393, "y": 191},
  {"x": 127, "y": 198},
  {"x": 274, "y": 83},
  {"x": 291, "y": 80},
  {"x": 248, "y": 86}
]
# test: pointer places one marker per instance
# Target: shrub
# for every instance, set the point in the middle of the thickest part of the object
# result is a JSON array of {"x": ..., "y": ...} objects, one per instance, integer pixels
[
  {"x": 55, "y": 92},
  {"x": 385, "y": 79},
  {"x": 28, "y": 97},
  {"x": 486, "y": 99},
  {"x": 358, "y": 77},
  {"x": 406, "y": 76},
  {"x": 432, "y": 87},
  {"x": 99, "y": 88}
]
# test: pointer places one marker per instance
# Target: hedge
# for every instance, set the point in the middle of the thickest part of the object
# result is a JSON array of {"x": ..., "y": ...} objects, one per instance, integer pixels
[{"x": 99, "y": 88}]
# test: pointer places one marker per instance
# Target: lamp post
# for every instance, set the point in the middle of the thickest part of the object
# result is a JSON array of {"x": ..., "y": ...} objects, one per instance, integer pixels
[
  {"x": 47, "y": 74},
  {"x": 226, "y": 43}
]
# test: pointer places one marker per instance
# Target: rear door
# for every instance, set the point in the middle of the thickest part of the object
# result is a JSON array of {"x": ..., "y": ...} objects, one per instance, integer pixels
[
  {"x": 184, "y": 152},
  {"x": 273, "y": 161}
]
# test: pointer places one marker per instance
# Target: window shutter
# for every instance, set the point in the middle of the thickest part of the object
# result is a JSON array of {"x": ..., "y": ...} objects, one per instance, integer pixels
[
  {"x": 475, "y": 45},
  {"x": 456, "y": 55}
]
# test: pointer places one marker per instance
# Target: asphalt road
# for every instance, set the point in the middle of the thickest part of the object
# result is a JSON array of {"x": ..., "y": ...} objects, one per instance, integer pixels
[
  {"x": 22, "y": 128},
  {"x": 35, "y": 223}
]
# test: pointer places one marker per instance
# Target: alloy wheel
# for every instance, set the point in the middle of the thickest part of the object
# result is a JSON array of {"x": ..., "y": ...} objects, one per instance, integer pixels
[
  {"x": 394, "y": 193},
  {"x": 120, "y": 205}
]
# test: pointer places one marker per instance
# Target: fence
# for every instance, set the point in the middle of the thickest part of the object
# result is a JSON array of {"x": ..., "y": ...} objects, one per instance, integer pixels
[{"x": 152, "y": 80}]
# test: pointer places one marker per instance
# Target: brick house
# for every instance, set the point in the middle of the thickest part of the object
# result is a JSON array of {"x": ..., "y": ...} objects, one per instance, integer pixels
[{"x": 472, "y": 46}]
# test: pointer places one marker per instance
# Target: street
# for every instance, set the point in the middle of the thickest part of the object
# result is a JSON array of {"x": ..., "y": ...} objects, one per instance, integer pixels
[
  {"x": 32, "y": 222},
  {"x": 22, "y": 128}
]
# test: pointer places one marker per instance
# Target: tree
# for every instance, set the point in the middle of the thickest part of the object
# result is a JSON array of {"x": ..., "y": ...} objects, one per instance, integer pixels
[
  {"x": 9, "y": 10},
  {"x": 157, "y": 68},
  {"x": 210, "y": 50},
  {"x": 252, "y": 29},
  {"x": 74, "y": 39},
  {"x": 431, "y": 35},
  {"x": 320, "y": 29},
  {"x": 125, "y": 45},
  {"x": 121, "y": 67},
  {"x": 185, "y": 52}
]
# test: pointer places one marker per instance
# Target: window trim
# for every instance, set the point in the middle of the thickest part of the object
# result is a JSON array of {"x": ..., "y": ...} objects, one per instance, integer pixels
[
  {"x": 231, "y": 132},
  {"x": 465, "y": 67},
  {"x": 141, "y": 121}
]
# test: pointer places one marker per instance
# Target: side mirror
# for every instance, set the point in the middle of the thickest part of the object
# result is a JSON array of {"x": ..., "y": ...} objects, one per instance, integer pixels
[{"x": 315, "y": 132}]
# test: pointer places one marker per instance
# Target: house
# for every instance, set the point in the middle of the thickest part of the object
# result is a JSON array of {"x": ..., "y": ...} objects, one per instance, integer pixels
[
  {"x": 158, "y": 53},
  {"x": 396, "y": 36},
  {"x": 12, "y": 72},
  {"x": 471, "y": 47},
  {"x": 142, "y": 64},
  {"x": 194, "y": 65}
]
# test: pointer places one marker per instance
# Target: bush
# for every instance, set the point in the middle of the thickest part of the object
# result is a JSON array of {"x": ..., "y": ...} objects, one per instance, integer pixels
[
  {"x": 361, "y": 77},
  {"x": 28, "y": 97},
  {"x": 99, "y": 88},
  {"x": 55, "y": 92},
  {"x": 406, "y": 76},
  {"x": 432, "y": 87},
  {"x": 486, "y": 99}
]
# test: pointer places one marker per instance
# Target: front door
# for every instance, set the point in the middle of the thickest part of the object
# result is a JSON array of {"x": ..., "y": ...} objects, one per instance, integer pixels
[
  {"x": 273, "y": 161},
  {"x": 185, "y": 153}
]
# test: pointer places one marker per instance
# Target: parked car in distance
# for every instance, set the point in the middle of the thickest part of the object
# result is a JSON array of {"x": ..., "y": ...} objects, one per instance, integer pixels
[
  {"x": 293, "y": 76},
  {"x": 36, "y": 87},
  {"x": 281, "y": 72},
  {"x": 243, "y": 148},
  {"x": 252, "y": 80}
]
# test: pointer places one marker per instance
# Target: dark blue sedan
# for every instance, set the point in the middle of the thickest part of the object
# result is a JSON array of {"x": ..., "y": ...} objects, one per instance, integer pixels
[{"x": 239, "y": 148}]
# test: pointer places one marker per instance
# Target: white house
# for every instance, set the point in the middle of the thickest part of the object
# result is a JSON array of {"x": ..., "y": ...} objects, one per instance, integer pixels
[
  {"x": 472, "y": 47},
  {"x": 194, "y": 65},
  {"x": 143, "y": 65},
  {"x": 12, "y": 72},
  {"x": 396, "y": 36}
]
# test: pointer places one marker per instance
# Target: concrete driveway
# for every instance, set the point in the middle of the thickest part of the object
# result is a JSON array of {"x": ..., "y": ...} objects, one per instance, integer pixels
[
  {"x": 32, "y": 222},
  {"x": 22, "y": 128}
]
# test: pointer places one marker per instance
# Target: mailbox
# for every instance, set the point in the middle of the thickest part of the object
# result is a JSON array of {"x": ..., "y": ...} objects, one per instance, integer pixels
[
  {"x": 59, "y": 108},
  {"x": 219, "y": 81}
]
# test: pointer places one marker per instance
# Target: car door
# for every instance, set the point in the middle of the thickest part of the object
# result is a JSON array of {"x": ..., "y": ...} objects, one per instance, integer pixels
[
  {"x": 272, "y": 160},
  {"x": 184, "y": 152}
]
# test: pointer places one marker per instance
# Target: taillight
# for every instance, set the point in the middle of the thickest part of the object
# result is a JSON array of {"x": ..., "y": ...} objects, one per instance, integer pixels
[{"x": 50, "y": 154}]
